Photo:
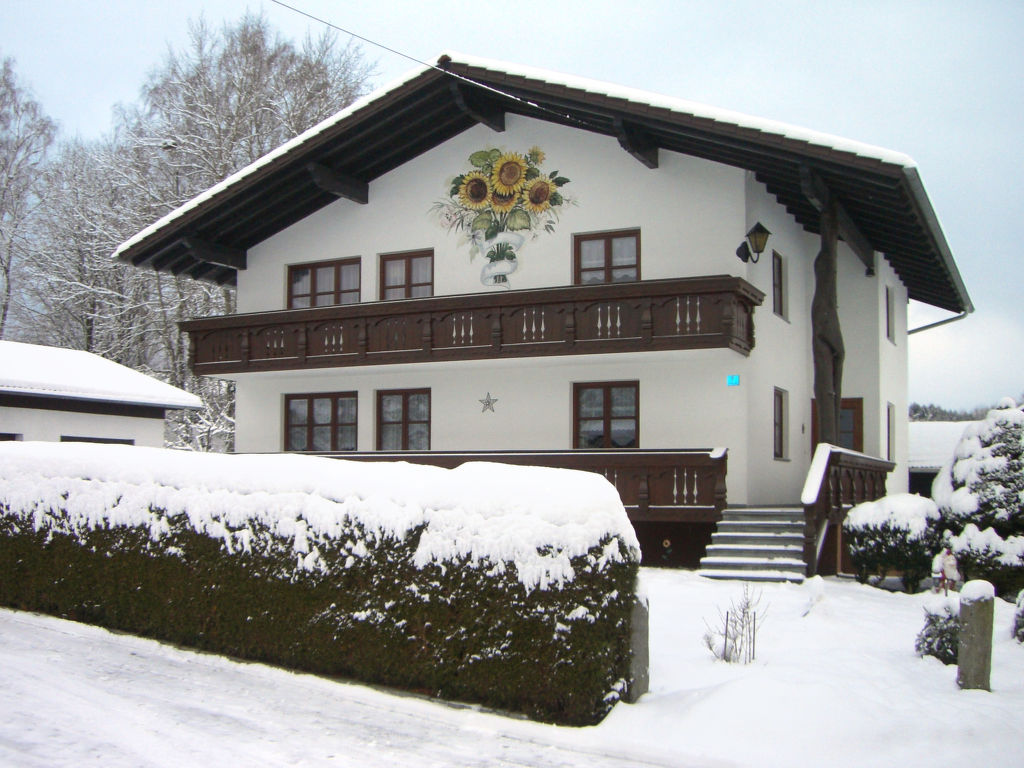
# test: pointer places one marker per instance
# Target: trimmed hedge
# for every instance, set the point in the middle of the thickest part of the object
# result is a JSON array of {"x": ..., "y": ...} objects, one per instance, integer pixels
[{"x": 367, "y": 611}]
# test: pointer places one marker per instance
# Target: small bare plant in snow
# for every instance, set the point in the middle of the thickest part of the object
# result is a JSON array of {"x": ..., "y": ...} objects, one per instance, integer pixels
[{"x": 733, "y": 638}]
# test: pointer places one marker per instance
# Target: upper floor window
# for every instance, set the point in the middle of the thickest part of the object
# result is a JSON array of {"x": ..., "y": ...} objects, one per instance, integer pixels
[
  {"x": 607, "y": 414},
  {"x": 403, "y": 420},
  {"x": 407, "y": 275},
  {"x": 607, "y": 257},
  {"x": 778, "y": 285},
  {"x": 320, "y": 422},
  {"x": 323, "y": 284}
]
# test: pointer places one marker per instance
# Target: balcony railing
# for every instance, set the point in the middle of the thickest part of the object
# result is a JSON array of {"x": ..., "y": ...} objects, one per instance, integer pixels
[
  {"x": 688, "y": 313},
  {"x": 654, "y": 485},
  {"x": 837, "y": 480}
]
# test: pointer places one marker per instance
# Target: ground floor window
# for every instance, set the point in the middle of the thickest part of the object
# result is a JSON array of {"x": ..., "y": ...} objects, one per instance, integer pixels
[
  {"x": 607, "y": 414},
  {"x": 780, "y": 423},
  {"x": 403, "y": 420},
  {"x": 105, "y": 440},
  {"x": 9, "y": 437},
  {"x": 324, "y": 421}
]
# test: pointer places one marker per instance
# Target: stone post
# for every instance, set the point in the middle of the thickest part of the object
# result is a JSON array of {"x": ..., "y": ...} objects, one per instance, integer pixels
[
  {"x": 639, "y": 652},
  {"x": 974, "y": 658}
]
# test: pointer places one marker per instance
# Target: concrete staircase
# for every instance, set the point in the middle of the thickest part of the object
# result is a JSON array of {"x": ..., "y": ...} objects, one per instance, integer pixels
[{"x": 757, "y": 545}]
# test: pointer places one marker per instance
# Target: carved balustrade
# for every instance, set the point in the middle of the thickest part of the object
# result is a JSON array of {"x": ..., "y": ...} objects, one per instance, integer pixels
[{"x": 688, "y": 313}]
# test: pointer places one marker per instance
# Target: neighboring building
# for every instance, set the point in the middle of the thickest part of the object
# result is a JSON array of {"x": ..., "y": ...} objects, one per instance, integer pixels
[
  {"x": 490, "y": 258},
  {"x": 53, "y": 394},
  {"x": 930, "y": 447}
]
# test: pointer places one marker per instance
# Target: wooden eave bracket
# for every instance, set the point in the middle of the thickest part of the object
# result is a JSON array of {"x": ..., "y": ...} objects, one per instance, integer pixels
[
  {"x": 487, "y": 115},
  {"x": 338, "y": 184},
  {"x": 818, "y": 194},
  {"x": 637, "y": 142},
  {"x": 213, "y": 253}
]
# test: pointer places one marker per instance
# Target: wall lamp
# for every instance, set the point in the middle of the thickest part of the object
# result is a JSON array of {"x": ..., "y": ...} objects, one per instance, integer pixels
[{"x": 752, "y": 248}]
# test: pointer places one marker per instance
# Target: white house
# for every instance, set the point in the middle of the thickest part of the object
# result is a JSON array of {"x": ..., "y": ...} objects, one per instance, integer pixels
[
  {"x": 491, "y": 258},
  {"x": 53, "y": 394}
]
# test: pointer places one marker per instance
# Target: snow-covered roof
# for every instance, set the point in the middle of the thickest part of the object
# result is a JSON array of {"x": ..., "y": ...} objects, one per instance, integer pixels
[
  {"x": 31, "y": 369},
  {"x": 931, "y": 443},
  {"x": 881, "y": 190}
]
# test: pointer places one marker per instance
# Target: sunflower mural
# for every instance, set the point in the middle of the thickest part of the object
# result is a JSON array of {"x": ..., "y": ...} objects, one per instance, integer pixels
[{"x": 504, "y": 199}]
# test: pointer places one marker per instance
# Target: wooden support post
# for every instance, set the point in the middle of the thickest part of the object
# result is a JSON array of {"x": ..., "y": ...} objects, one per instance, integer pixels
[{"x": 826, "y": 335}]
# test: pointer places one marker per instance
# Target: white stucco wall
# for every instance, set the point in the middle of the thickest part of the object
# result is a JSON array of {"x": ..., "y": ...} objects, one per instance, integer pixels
[
  {"x": 692, "y": 215},
  {"x": 49, "y": 426}
]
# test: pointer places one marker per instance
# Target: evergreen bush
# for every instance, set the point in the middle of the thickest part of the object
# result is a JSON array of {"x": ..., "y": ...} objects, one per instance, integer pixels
[
  {"x": 980, "y": 494},
  {"x": 339, "y": 598},
  {"x": 940, "y": 636},
  {"x": 894, "y": 533}
]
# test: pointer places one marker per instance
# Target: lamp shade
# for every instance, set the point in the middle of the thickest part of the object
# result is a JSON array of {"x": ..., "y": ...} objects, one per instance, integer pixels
[{"x": 758, "y": 238}]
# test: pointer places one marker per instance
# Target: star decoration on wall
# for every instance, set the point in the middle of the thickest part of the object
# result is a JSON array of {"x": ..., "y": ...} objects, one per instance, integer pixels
[{"x": 488, "y": 403}]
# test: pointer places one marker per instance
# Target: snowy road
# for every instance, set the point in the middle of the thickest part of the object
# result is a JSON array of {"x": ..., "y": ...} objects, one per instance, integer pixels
[
  {"x": 86, "y": 696},
  {"x": 835, "y": 679}
]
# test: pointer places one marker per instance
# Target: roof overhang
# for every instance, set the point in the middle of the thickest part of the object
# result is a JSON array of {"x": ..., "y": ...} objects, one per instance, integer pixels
[{"x": 881, "y": 191}]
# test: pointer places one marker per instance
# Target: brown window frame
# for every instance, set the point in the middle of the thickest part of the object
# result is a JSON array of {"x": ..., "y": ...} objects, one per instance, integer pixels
[
  {"x": 338, "y": 294},
  {"x": 890, "y": 314},
  {"x": 334, "y": 424},
  {"x": 606, "y": 387},
  {"x": 406, "y": 422},
  {"x": 778, "y": 285},
  {"x": 854, "y": 404},
  {"x": 780, "y": 419},
  {"x": 607, "y": 237},
  {"x": 408, "y": 285}
]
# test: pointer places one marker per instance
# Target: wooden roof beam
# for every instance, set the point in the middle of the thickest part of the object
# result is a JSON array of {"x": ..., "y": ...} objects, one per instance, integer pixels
[
  {"x": 223, "y": 255},
  {"x": 818, "y": 194},
  {"x": 339, "y": 184},
  {"x": 636, "y": 141},
  {"x": 485, "y": 114}
]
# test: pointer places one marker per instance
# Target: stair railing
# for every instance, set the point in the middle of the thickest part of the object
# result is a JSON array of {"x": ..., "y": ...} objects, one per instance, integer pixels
[{"x": 837, "y": 480}]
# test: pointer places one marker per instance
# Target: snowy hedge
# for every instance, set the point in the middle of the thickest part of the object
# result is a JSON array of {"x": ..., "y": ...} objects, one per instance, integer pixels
[
  {"x": 895, "y": 533},
  {"x": 508, "y": 586},
  {"x": 980, "y": 494}
]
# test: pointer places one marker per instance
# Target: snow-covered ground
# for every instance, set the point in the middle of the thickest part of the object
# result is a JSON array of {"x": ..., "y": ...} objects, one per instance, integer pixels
[{"x": 835, "y": 683}]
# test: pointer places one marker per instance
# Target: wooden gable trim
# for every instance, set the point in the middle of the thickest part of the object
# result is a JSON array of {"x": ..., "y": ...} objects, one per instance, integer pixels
[{"x": 69, "y": 405}]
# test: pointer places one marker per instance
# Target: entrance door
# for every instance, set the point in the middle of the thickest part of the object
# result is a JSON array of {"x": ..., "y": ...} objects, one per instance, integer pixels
[{"x": 851, "y": 424}]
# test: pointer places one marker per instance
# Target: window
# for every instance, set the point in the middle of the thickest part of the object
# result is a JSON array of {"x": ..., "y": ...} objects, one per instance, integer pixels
[
  {"x": 403, "y": 420},
  {"x": 320, "y": 422},
  {"x": 9, "y": 437},
  {"x": 323, "y": 284},
  {"x": 103, "y": 440},
  {"x": 407, "y": 275},
  {"x": 607, "y": 257},
  {"x": 890, "y": 314},
  {"x": 851, "y": 424},
  {"x": 778, "y": 285},
  {"x": 890, "y": 432},
  {"x": 607, "y": 415},
  {"x": 780, "y": 425}
]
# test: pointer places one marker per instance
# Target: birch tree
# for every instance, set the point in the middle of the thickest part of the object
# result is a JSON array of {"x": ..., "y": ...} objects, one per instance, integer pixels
[{"x": 25, "y": 136}]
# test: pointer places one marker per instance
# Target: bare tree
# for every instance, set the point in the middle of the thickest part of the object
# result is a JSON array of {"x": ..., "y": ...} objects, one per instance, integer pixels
[{"x": 25, "y": 136}]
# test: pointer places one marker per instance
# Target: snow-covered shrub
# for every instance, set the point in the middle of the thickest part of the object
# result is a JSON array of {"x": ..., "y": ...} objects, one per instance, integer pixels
[
  {"x": 893, "y": 533},
  {"x": 940, "y": 636},
  {"x": 410, "y": 576},
  {"x": 980, "y": 494},
  {"x": 1018, "y": 619}
]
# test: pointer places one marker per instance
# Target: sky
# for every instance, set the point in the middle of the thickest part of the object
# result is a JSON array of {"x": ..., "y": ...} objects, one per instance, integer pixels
[{"x": 939, "y": 80}]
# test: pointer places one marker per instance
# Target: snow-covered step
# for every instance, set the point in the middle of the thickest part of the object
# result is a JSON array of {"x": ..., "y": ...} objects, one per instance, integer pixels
[{"x": 757, "y": 544}]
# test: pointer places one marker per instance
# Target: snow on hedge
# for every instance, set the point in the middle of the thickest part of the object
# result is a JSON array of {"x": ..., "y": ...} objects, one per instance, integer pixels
[
  {"x": 495, "y": 516},
  {"x": 905, "y": 511}
]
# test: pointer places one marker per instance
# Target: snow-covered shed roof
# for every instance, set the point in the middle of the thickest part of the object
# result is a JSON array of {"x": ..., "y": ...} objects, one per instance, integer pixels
[
  {"x": 931, "y": 443},
  {"x": 881, "y": 190},
  {"x": 71, "y": 374}
]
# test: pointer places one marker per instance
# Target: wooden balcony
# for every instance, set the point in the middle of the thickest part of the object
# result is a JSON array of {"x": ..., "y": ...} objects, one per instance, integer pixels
[
  {"x": 687, "y": 313},
  {"x": 684, "y": 486}
]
